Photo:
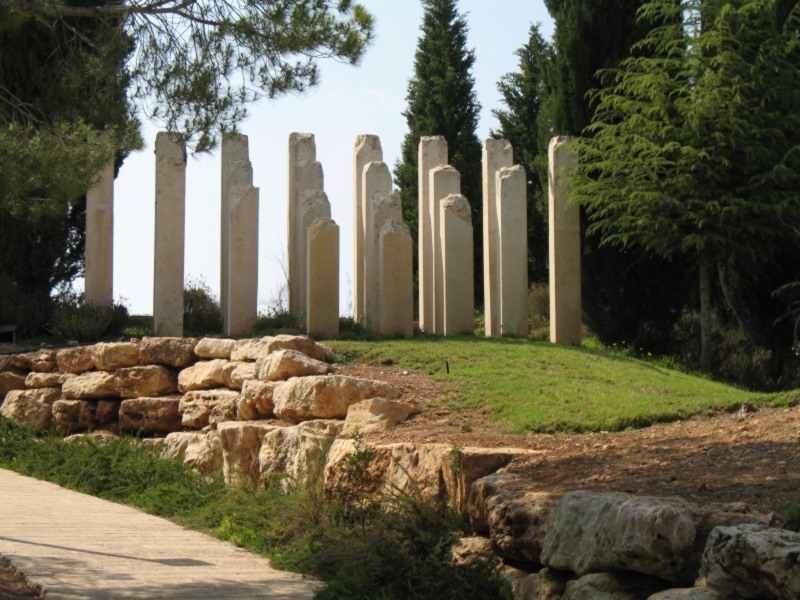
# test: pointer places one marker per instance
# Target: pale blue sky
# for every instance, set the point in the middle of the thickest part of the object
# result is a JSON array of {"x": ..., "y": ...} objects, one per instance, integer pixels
[{"x": 348, "y": 102}]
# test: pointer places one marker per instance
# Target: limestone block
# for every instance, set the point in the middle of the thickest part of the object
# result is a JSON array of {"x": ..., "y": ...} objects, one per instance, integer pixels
[
  {"x": 322, "y": 288},
  {"x": 396, "y": 279},
  {"x": 241, "y": 444},
  {"x": 325, "y": 397},
  {"x": 92, "y": 386},
  {"x": 196, "y": 407},
  {"x": 256, "y": 400},
  {"x": 170, "y": 234},
  {"x": 203, "y": 375},
  {"x": 367, "y": 149},
  {"x": 11, "y": 381},
  {"x": 753, "y": 561},
  {"x": 695, "y": 593},
  {"x": 42, "y": 380},
  {"x": 225, "y": 410},
  {"x": 385, "y": 206},
  {"x": 99, "y": 269},
  {"x": 432, "y": 154},
  {"x": 41, "y": 361},
  {"x": 377, "y": 194},
  {"x": 444, "y": 182},
  {"x": 73, "y": 415},
  {"x": 544, "y": 585},
  {"x": 612, "y": 586},
  {"x": 292, "y": 452},
  {"x": 497, "y": 154},
  {"x": 512, "y": 229},
  {"x": 236, "y": 373},
  {"x": 209, "y": 348},
  {"x": 107, "y": 411},
  {"x": 242, "y": 304},
  {"x": 30, "y": 408},
  {"x": 375, "y": 415},
  {"x": 458, "y": 284},
  {"x": 468, "y": 550},
  {"x": 75, "y": 360},
  {"x": 150, "y": 380},
  {"x": 242, "y": 350},
  {"x": 113, "y": 356},
  {"x": 201, "y": 451},
  {"x": 565, "y": 248},
  {"x": 283, "y": 364},
  {"x": 314, "y": 205},
  {"x": 174, "y": 352}
]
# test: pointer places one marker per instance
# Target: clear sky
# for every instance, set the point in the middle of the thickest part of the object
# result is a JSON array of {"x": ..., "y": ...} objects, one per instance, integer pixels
[{"x": 348, "y": 102}]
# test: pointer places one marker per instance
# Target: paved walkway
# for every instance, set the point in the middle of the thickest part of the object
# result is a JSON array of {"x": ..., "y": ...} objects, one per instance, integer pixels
[{"x": 77, "y": 546}]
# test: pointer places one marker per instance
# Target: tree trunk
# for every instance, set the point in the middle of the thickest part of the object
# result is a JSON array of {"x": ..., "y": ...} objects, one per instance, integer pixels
[{"x": 706, "y": 347}]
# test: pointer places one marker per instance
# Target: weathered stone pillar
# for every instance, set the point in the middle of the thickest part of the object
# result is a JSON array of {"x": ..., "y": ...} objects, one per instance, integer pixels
[
  {"x": 444, "y": 181},
  {"x": 237, "y": 171},
  {"x": 385, "y": 205},
  {"x": 99, "y": 270},
  {"x": 432, "y": 154},
  {"x": 565, "y": 249},
  {"x": 368, "y": 149},
  {"x": 396, "y": 279},
  {"x": 376, "y": 178},
  {"x": 512, "y": 231},
  {"x": 313, "y": 205},
  {"x": 169, "y": 236},
  {"x": 304, "y": 174},
  {"x": 458, "y": 268},
  {"x": 497, "y": 154},
  {"x": 242, "y": 293},
  {"x": 323, "y": 277}
]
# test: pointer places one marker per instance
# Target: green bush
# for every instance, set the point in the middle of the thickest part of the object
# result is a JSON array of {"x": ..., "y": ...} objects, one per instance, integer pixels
[
  {"x": 202, "y": 314},
  {"x": 277, "y": 322},
  {"x": 539, "y": 311},
  {"x": 75, "y": 319}
]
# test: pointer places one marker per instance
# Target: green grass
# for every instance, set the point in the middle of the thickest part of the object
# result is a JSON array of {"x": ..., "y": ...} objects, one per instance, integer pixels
[{"x": 541, "y": 387}]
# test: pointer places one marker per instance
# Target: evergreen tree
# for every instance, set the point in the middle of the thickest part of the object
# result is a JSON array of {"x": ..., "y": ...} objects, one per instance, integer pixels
[{"x": 442, "y": 101}]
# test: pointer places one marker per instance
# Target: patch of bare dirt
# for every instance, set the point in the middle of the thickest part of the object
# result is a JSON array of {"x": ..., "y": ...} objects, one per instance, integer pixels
[{"x": 13, "y": 585}]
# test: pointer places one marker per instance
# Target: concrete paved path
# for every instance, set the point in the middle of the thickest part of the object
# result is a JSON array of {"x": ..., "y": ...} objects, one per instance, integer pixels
[{"x": 77, "y": 546}]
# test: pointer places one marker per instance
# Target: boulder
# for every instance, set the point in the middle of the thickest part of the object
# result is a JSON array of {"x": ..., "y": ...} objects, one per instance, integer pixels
[
  {"x": 283, "y": 364},
  {"x": 241, "y": 443},
  {"x": 173, "y": 352},
  {"x": 30, "y": 408},
  {"x": 107, "y": 411},
  {"x": 151, "y": 415},
  {"x": 695, "y": 593},
  {"x": 225, "y": 410},
  {"x": 292, "y": 453},
  {"x": 74, "y": 415},
  {"x": 325, "y": 397},
  {"x": 253, "y": 350},
  {"x": 100, "y": 435},
  {"x": 214, "y": 348},
  {"x": 75, "y": 360},
  {"x": 241, "y": 350},
  {"x": 110, "y": 357},
  {"x": 92, "y": 386},
  {"x": 753, "y": 561},
  {"x": 41, "y": 361},
  {"x": 204, "y": 375},
  {"x": 148, "y": 381},
  {"x": 196, "y": 407},
  {"x": 590, "y": 532},
  {"x": 256, "y": 400},
  {"x": 236, "y": 373},
  {"x": 375, "y": 415},
  {"x": 612, "y": 586},
  {"x": 201, "y": 451},
  {"x": 544, "y": 585},
  {"x": 43, "y": 380},
  {"x": 471, "y": 549},
  {"x": 10, "y": 380}
]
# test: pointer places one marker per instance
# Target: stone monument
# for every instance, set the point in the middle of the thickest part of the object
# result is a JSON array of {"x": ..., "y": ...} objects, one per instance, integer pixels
[
  {"x": 396, "y": 279},
  {"x": 367, "y": 150},
  {"x": 444, "y": 181},
  {"x": 322, "y": 313},
  {"x": 385, "y": 206},
  {"x": 377, "y": 179},
  {"x": 314, "y": 205},
  {"x": 512, "y": 257},
  {"x": 458, "y": 267},
  {"x": 432, "y": 154},
  {"x": 99, "y": 269},
  {"x": 242, "y": 293}
]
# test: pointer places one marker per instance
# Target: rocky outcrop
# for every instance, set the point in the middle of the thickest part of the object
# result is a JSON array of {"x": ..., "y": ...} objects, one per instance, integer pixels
[
  {"x": 291, "y": 453},
  {"x": 325, "y": 397},
  {"x": 201, "y": 451},
  {"x": 284, "y": 364},
  {"x": 375, "y": 415},
  {"x": 204, "y": 375},
  {"x": 612, "y": 586},
  {"x": 30, "y": 408},
  {"x": 172, "y": 352},
  {"x": 75, "y": 360},
  {"x": 110, "y": 357},
  {"x": 241, "y": 444},
  {"x": 753, "y": 561},
  {"x": 196, "y": 407},
  {"x": 9, "y": 381},
  {"x": 210, "y": 348},
  {"x": 41, "y": 361},
  {"x": 151, "y": 415},
  {"x": 253, "y": 350},
  {"x": 256, "y": 400}
]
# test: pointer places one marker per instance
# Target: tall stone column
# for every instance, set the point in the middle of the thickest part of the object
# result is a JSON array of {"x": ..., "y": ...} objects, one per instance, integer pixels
[
  {"x": 396, "y": 256},
  {"x": 313, "y": 205},
  {"x": 237, "y": 171},
  {"x": 444, "y": 181},
  {"x": 368, "y": 149},
  {"x": 99, "y": 270},
  {"x": 432, "y": 154},
  {"x": 458, "y": 268},
  {"x": 242, "y": 306},
  {"x": 323, "y": 277},
  {"x": 385, "y": 206},
  {"x": 512, "y": 231},
  {"x": 169, "y": 236},
  {"x": 304, "y": 174},
  {"x": 376, "y": 179},
  {"x": 497, "y": 154},
  {"x": 565, "y": 249}
]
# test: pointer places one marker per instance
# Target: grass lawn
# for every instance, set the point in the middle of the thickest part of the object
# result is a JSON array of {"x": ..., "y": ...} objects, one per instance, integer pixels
[{"x": 541, "y": 387}]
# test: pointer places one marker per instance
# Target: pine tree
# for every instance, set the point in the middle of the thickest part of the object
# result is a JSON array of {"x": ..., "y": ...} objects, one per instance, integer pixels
[{"x": 442, "y": 101}]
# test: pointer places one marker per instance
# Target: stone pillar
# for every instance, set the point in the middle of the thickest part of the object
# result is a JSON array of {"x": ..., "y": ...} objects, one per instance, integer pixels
[
  {"x": 396, "y": 255},
  {"x": 444, "y": 181},
  {"x": 512, "y": 231},
  {"x": 565, "y": 249},
  {"x": 367, "y": 150},
  {"x": 385, "y": 205},
  {"x": 237, "y": 171},
  {"x": 169, "y": 236},
  {"x": 313, "y": 205},
  {"x": 99, "y": 270},
  {"x": 458, "y": 268},
  {"x": 323, "y": 277},
  {"x": 432, "y": 154},
  {"x": 304, "y": 174},
  {"x": 376, "y": 178},
  {"x": 497, "y": 154},
  {"x": 242, "y": 292}
]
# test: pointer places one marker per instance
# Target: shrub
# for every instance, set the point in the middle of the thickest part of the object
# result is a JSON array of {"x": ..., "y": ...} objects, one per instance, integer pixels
[
  {"x": 277, "y": 322},
  {"x": 539, "y": 311},
  {"x": 202, "y": 314},
  {"x": 75, "y": 319}
]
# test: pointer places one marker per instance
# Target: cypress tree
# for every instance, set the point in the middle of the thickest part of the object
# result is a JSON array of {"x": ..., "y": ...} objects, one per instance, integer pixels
[{"x": 442, "y": 101}]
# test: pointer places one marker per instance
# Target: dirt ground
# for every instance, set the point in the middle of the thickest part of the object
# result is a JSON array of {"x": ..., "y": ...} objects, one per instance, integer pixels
[
  {"x": 703, "y": 459},
  {"x": 13, "y": 585}
]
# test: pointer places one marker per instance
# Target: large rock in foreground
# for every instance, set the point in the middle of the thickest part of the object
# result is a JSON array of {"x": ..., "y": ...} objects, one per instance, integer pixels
[
  {"x": 172, "y": 352},
  {"x": 10, "y": 381},
  {"x": 544, "y": 585},
  {"x": 201, "y": 451},
  {"x": 612, "y": 586},
  {"x": 30, "y": 408},
  {"x": 41, "y": 361},
  {"x": 75, "y": 415},
  {"x": 113, "y": 356},
  {"x": 256, "y": 401},
  {"x": 241, "y": 445},
  {"x": 253, "y": 350},
  {"x": 151, "y": 415},
  {"x": 197, "y": 407},
  {"x": 690, "y": 594},
  {"x": 214, "y": 348},
  {"x": 91, "y": 386},
  {"x": 376, "y": 415},
  {"x": 292, "y": 452},
  {"x": 142, "y": 382},
  {"x": 204, "y": 375},
  {"x": 284, "y": 364},
  {"x": 75, "y": 360}
]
